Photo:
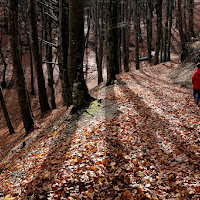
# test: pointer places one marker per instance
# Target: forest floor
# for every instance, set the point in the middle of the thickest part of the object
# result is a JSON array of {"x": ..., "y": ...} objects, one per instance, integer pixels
[{"x": 139, "y": 140}]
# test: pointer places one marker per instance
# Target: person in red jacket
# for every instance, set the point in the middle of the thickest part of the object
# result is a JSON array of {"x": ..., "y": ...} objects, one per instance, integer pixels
[{"x": 196, "y": 84}]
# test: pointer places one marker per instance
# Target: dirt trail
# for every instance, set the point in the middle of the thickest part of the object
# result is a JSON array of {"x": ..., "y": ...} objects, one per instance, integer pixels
[{"x": 141, "y": 141}]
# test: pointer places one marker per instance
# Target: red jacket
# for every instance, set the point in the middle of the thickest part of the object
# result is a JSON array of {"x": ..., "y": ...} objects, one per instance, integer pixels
[{"x": 196, "y": 79}]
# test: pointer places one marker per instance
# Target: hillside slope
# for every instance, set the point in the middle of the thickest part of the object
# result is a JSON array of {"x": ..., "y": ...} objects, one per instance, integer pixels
[{"x": 141, "y": 141}]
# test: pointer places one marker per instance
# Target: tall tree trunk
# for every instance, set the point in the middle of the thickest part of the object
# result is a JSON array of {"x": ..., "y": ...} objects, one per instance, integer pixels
[
  {"x": 191, "y": 16},
  {"x": 159, "y": 30},
  {"x": 37, "y": 59},
  {"x": 78, "y": 86},
  {"x": 169, "y": 30},
  {"x": 161, "y": 46},
  {"x": 149, "y": 21},
  {"x": 136, "y": 32},
  {"x": 5, "y": 111},
  {"x": 63, "y": 51},
  {"x": 110, "y": 51},
  {"x": 31, "y": 66},
  {"x": 125, "y": 37},
  {"x": 17, "y": 67},
  {"x": 49, "y": 59},
  {"x": 185, "y": 21},
  {"x": 166, "y": 31},
  {"x": 114, "y": 35},
  {"x": 180, "y": 25},
  {"x": 119, "y": 35},
  {"x": 98, "y": 40}
]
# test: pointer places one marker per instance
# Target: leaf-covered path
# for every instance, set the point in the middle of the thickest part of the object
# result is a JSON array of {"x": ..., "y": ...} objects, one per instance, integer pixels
[{"x": 142, "y": 141}]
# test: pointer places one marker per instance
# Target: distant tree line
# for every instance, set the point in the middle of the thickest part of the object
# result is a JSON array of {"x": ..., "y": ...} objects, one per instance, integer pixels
[{"x": 63, "y": 28}]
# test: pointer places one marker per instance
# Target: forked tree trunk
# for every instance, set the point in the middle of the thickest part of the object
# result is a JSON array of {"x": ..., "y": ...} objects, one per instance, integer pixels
[
  {"x": 5, "y": 111},
  {"x": 17, "y": 67},
  {"x": 37, "y": 59}
]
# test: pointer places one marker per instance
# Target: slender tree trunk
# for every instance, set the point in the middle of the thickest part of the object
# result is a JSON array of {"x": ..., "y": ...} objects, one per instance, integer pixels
[
  {"x": 79, "y": 89},
  {"x": 191, "y": 16},
  {"x": 166, "y": 31},
  {"x": 161, "y": 46},
  {"x": 136, "y": 32},
  {"x": 185, "y": 21},
  {"x": 180, "y": 25},
  {"x": 17, "y": 67},
  {"x": 119, "y": 35},
  {"x": 110, "y": 51},
  {"x": 159, "y": 28},
  {"x": 43, "y": 99},
  {"x": 3, "y": 83},
  {"x": 31, "y": 66},
  {"x": 99, "y": 40},
  {"x": 114, "y": 35},
  {"x": 149, "y": 20},
  {"x": 169, "y": 30},
  {"x": 125, "y": 38},
  {"x": 63, "y": 51},
  {"x": 49, "y": 59},
  {"x": 5, "y": 111}
]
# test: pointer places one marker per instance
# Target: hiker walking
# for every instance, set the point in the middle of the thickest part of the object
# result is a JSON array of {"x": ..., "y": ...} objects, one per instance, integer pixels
[{"x": 196, "y": 84}]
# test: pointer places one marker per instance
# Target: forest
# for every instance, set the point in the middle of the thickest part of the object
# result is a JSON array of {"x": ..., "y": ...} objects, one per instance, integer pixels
[{"x": 96, "y": 99}]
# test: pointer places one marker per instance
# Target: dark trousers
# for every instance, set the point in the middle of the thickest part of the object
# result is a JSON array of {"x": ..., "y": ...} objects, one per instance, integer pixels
[{"x": 196, "y": 94}]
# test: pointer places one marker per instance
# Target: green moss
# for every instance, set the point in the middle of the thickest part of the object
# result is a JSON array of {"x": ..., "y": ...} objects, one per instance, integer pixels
[{"x": 93, "y": 108}]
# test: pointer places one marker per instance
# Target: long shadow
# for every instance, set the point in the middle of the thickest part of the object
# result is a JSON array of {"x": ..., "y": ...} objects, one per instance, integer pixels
[
  {"x": 155, "y": 121},
  {"x": 116, "y": 174},
  {"x": 44, "y": 181},
  {"x": 161, "y": 95},
  {"x": 41, "y": 184}
]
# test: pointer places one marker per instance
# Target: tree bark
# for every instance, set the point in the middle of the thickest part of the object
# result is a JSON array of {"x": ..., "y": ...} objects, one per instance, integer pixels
[
  {"x": 159, "y": 30},
  {"x": 166, "y": 31},
  {"x": 136, "y": 34},
  {"x": 149, "y": 20},
  {"x": 191, "y": 16},
  {"x": 17, "y": 67},
  {"x": 49, "y": 59},
  {"x": 98, "y": 40},
  {"x": 63, "y": 51},
  {"x": 169, "y": 30},
  {"x": 3, "y": 83},
  {"x": 110, "y": 51},
  {"x": 5, "y": 111},
  {"x": 78, "y": 86},
  {"x": 180, "y": 25},
  {"x": 37, "y": 59}
]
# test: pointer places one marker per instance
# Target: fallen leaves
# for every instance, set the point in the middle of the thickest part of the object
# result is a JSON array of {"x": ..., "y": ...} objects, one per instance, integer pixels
[{"x": 142, "y": 144}]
